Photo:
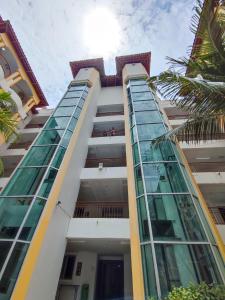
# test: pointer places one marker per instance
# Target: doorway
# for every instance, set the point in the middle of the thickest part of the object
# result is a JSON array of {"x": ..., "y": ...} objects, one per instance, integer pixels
[{"x": 110, "y": 279}]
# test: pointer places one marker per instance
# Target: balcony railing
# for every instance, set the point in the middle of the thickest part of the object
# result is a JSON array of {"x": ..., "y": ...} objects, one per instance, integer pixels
[
  {"x": 34, "y": 126},
  {"x": 107, "y": 162},
  {"x": 20, "y": 145},
  {"x": 109, "y": 113},
  {"x": 101, "y": 210},
  {"x": 218, "y": 214},
  {"x": 207, "y": 166},
  {"x": 112, "y": 132}
]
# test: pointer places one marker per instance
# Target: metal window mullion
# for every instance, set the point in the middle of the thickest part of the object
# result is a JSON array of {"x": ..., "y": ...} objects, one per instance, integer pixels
[
  {"x": 148, "y": 215},
  {"x": 34, "y": 197},
  {"x": 176, "y": 242}
]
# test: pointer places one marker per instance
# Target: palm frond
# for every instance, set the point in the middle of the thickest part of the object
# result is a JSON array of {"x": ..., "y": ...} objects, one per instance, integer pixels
[
  {"x": 196, "y": 129},
  {"x": 193, "y": 94},
  {"x": 7, "y": 102},
  {"x": 208, "y": 27},
  {"x": 7, "y": 124}
]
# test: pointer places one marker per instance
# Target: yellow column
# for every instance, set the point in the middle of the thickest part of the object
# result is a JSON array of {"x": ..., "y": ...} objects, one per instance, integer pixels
[
  {"x": 136, "y": 262},
  {"x": 14, "y": 78}
]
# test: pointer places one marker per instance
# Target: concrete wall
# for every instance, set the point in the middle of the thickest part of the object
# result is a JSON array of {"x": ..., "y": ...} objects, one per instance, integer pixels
[
  {"x": 110, "y": 95},
  {"x": 105, "y": 173},
  {"x": 98, "y": 228}
]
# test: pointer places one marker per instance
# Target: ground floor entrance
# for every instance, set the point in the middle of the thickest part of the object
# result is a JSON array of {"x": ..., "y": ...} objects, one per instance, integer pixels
[{"x": 110, "y": 279}]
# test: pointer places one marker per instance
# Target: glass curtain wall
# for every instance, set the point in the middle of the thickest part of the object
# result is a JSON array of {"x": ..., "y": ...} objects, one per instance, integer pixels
[
  {"x": 177, "y": 245},
  {"x": 24, "y": 197}
]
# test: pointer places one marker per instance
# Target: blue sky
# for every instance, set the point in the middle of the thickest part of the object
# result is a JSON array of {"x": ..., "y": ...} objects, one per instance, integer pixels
[{"x": 51, "y": 33}]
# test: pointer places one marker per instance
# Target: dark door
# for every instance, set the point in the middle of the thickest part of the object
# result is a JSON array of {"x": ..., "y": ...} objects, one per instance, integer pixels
[{"x": 109, "y": 284}]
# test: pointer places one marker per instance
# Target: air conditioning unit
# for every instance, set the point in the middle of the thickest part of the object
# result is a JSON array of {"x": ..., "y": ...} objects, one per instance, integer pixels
[{"x": 100, "y": 166}]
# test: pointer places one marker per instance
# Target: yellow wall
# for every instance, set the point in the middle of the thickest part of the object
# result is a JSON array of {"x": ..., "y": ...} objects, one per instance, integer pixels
[{"x": 136, "y": 263}]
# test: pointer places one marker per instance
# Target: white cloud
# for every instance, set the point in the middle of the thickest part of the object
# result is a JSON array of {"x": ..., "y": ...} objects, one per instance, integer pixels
[{"x": 51, "y": 34}]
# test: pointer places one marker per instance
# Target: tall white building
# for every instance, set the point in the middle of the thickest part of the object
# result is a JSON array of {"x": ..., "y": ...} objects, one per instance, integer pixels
[{"x": 94, "y": 211}]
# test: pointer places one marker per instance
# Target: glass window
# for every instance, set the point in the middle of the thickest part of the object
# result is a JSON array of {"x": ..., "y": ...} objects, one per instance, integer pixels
[
  {"x": 67, "y": 267},
  {"x": 144, "y": 105},
  {"x": 160, "y": 152},
  {"x": 39, "y": 156},
  {"x": 137, "y": 82},
  {"x": 57, "y": 123},
  {"x": 4, "y": 250},
  {"x": 142, "y": 219},
  {"x": 77, "y": 112},
  {"x": 148, "y": 272},
  {"x": 66, "y": 138},
  {"x": 134, "y": 134},
  {"x": 73, "y": 94},
  {"x": 77, "y": 88},
  {"x": 138, "y": 181},
  {"x": 12, "y": 212},
  {"x": 49, "y": 137},
  {"x": 174, "y": 217},
  {"x": 70, "y": 102},
  {"x": 72, "y": 124},
  {"x": 25, "y": 181},
  {"x": 136, "y": 154},
  {"x": 32, "y": 219},
  {"x": 142, "y": 96},
  {"x": 148, "y": 117},
  {"x": 11, "y": 272},
  {"x": 63, "y": 111},
  {"x": 150, "y": 131},
  {"x": 180, "y": 265},
  {"x": 139, "y": 88},
  {"x": 47, "y": 183},
  {"x": 204, "y": 220},
  {"x": 164, "y": 178},
  {"x": 58, "y": 157}
]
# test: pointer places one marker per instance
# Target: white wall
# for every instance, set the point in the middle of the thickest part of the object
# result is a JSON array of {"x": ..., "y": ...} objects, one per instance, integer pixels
[
  {"x": 105, "y": 173},
  {"x": 98, "y": 228},
  {"x": 107, "y": 140},
  {"x": 111, "y": 95}
]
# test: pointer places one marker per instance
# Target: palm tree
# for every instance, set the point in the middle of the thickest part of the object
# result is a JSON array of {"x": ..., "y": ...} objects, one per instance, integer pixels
[
  {"x": 8, "y": 125},
  {"x": 201, "y": 90}
]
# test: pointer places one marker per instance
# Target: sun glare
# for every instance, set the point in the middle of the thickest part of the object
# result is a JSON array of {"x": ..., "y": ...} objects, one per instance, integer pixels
[{"x": 102, "y": 33}]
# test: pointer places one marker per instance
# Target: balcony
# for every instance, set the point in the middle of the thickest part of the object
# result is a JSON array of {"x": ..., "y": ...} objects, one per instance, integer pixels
[
  {"x": 110, "y": 110},
  {"x": 101, "y": 210},
  {"x": 18, "y": 145},
  {"x": 218, "y": 214},
  {"x": 209, "y": 166},
  {"x": 108, "y": 129}
]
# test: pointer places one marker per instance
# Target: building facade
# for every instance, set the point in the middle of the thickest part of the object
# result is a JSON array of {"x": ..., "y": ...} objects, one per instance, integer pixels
[{"x": 95, "y": 211}]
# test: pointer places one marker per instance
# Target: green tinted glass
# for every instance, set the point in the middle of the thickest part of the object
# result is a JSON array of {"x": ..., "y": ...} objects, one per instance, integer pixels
[
  {"x": 47, "y": 183},
  {"x": 164, "y": 178},
  {"x": 32, "y": 220},
  {"x": 12, "y": 212},
  {"x": 49, "y": 137},
  {"x": 57, "y": 123},
  {"x": 58, "y": 157},
  {"x": 173, "y": 217},
  {"x": 11, "y": 272},
  {"x": 39, "y": 156},
  {"x": 25, "y": 181}
]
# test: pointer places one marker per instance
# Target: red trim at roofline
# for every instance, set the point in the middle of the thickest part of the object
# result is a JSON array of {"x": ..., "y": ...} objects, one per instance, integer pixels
[
  {"x": 6, "y": 27},
  {"x": 121, "y": 61}
]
